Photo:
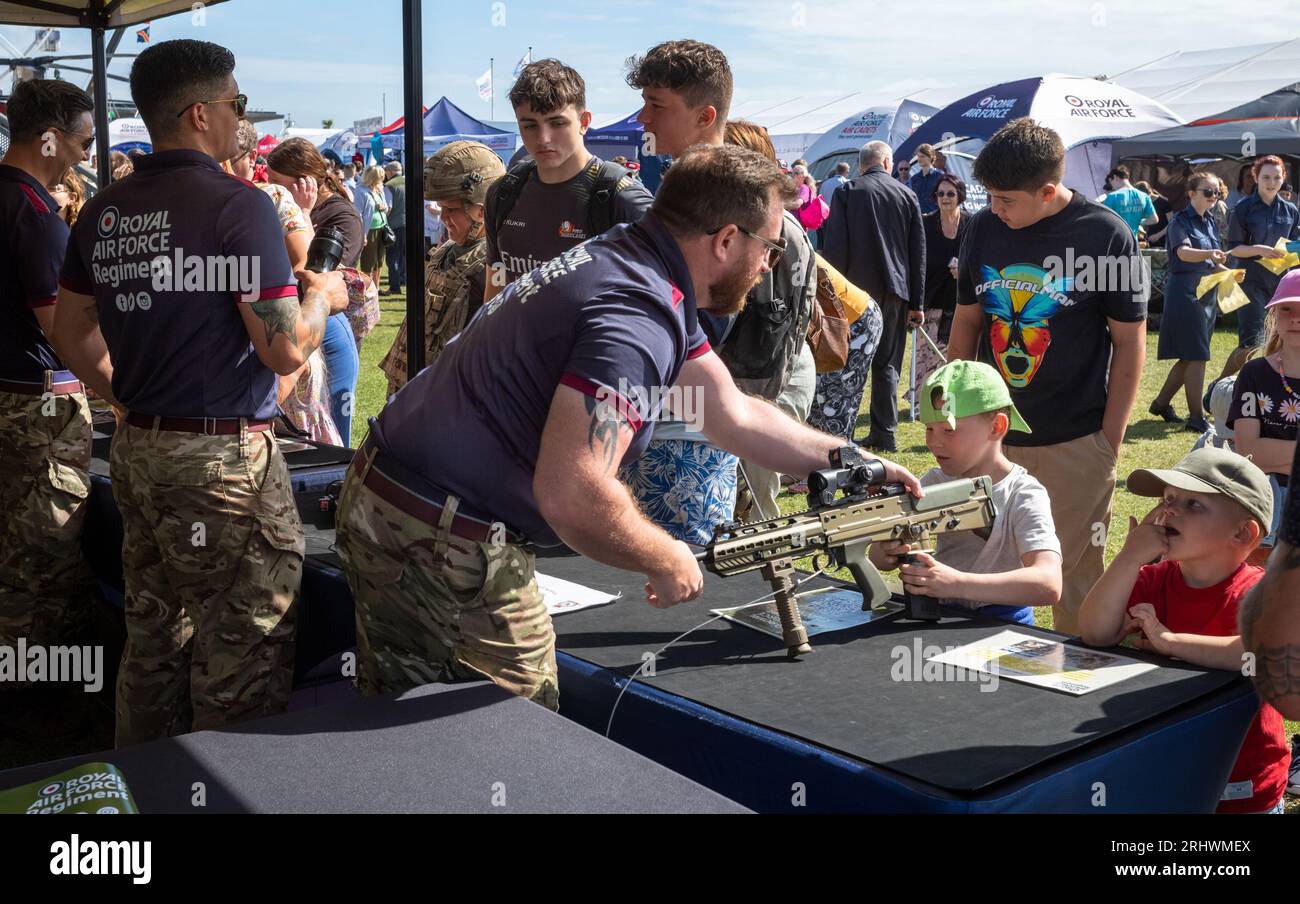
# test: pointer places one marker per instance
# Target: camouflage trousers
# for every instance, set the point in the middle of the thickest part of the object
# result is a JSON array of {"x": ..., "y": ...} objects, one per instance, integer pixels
[
  {"x": 212, "y": 557},
  {"x": 432, "y": 606},
  {"x": 46, "y": 588}
]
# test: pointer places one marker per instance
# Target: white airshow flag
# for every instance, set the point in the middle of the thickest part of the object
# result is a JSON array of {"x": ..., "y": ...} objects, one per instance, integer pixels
[
  {"x": 484, "y": 84},
  {"x": 524, "y": 61}
]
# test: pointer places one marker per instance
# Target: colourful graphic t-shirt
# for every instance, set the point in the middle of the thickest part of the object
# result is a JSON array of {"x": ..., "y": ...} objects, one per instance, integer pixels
[
  {"x": 1047, "y": 291},
  {"x": 1259, "y": 393}
]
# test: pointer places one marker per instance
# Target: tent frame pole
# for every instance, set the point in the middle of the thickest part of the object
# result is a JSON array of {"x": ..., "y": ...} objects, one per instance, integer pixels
[
  {"x": 99, "y": 65},
  {"x": 413, "y": 103}
]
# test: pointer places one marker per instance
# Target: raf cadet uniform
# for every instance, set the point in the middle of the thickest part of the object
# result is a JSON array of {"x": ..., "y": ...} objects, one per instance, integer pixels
[
  {"x": 45, "y": 585},
  {"x": 213, "y": 547},
  {"x": 437, "y": 511},
  {"x": 454, "y": 275},
  {"x": 1255, "y": 223}
]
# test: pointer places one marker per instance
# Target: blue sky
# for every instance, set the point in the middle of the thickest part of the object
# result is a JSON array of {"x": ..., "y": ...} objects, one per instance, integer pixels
[{"x": 318, "y": 59}]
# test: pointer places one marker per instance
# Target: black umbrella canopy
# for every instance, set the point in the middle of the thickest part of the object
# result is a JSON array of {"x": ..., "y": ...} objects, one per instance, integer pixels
[
  {"x": 1266, "y": 125},
  {"x": 90, "y": 13}
]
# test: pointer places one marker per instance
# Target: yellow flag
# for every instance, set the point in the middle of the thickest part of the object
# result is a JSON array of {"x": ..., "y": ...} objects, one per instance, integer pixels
[
  {"x": 1226, "y": 286},
  {"x": 1279, "y": 265}
]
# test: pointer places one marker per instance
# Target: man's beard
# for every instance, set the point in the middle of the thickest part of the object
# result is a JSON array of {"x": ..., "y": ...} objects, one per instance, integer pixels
[{"x": 727, "y": 295}]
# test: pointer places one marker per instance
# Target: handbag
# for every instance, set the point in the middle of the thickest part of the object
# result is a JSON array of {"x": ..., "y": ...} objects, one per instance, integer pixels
[
  {"x": 813, "y": 214},
  {"x": 387, "y": 237},
  {"x": 828, "y": 331}
]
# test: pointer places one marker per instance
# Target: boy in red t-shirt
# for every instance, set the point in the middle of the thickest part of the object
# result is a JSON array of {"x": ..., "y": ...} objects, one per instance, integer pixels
[{"x": 1215, "y": 508}]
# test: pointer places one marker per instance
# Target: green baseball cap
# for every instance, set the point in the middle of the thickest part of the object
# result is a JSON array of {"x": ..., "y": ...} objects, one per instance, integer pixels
[
  {"x": 1212, "y": 470},
  {"x": 969, "y": 387}
]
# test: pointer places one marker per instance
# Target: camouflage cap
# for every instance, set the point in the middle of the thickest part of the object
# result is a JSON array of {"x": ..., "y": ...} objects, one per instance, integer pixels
[{"x": 462, "y": 171}]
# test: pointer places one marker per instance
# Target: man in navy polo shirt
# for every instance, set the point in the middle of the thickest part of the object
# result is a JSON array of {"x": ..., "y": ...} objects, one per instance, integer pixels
[
  {"x": 516, "y": 433},
  {"x": 178, "y": 303},
  {"x": 45, "y": 585}
]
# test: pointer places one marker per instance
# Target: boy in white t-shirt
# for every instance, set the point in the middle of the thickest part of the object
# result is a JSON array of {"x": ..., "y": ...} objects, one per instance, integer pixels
[{"x": 967, "y": 410}]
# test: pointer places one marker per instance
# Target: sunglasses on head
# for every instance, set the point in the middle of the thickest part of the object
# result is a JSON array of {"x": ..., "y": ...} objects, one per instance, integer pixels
[
  {"x": 775, "y": 250},
  {"x": 239, "y": 100}
]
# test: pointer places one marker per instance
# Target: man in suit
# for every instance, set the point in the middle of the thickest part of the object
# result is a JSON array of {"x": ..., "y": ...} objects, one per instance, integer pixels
[{"x": 875, "y": 238}]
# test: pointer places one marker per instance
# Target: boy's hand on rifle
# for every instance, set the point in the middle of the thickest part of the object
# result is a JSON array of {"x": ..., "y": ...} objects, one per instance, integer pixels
[
  {"x": 1148, "y": 540},
  {"x": 884, "y": 553},
  {"x": 927, "y": 576}
]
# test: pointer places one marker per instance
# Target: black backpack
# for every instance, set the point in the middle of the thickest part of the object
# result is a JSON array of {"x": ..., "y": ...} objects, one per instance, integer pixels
[
  {"x": 610, "y": 180},
  {"x": 762, "y": 344}
]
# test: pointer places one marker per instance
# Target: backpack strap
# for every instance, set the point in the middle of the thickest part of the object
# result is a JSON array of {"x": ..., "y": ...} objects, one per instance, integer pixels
[
  {"x": 505, "y": 193},
  {"x": 611, "y": 179}
]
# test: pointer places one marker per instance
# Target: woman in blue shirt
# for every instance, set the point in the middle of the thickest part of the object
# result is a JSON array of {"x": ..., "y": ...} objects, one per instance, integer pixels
[
  {"x": 1254, "y": 227},
  {"x": 1188, "y": 322}
]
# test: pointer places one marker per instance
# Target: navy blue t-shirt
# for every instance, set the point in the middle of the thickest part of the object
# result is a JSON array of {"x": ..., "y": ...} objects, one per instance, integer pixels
[
  {"x": 613, "y": 318},
  {"x": 168, "y": 253},
  {"x": 31, "y": 253}
]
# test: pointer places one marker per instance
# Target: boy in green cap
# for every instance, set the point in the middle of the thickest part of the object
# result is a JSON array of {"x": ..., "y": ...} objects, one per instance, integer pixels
[
  {"x": 1215, "y": 507},
  {"x": 967, "y": 411}
]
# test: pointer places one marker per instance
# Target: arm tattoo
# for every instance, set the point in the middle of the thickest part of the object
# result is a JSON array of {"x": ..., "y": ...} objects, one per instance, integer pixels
[
  {"x": 1277, "y": 667},
  {"x": 602, "y": 433},
  {"x": 1277, "y": 672},
  {"x": 279, "y": 315}
]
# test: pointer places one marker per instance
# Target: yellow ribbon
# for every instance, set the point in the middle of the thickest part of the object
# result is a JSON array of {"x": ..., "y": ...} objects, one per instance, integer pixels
[
  {"x": 1279, "y": 265},
  {"x": 1226, "y": 286}
]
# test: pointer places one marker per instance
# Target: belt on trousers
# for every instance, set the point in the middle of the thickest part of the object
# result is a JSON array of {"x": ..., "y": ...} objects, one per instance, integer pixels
[
  {"x": 368, "y": 461},
  {"x": 209, "y": 426},
  {"x": 55, "y": 383}
]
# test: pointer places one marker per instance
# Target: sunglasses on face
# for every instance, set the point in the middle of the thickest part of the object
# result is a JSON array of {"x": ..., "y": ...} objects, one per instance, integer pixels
[
  {"x": 945, "y": 194},
  {"x": 1209, "y": 192},
  {"x": 775, "y": 250},
  {"x": 239, "y": 100},
  {"x": 82, "y": 141}
]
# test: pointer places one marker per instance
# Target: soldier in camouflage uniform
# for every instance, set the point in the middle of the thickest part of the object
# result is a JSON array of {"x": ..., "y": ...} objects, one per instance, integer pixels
[
  {"x": 433, "y": 605},
  {"x": 45, "y": 585},
  {"x": 457, "y": 177},
  {"x": 213, "y": 548}
]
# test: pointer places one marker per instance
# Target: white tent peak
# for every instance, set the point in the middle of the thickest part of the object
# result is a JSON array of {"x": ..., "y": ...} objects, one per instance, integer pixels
[{"x": 1197, "y": 83}]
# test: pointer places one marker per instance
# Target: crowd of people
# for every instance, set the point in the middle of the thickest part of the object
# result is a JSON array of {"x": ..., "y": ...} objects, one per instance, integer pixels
[{"x": 607, "y": 370}]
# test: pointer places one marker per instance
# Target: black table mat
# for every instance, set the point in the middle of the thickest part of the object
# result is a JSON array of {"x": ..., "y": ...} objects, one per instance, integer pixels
[
  {"x": 842, "y": 696},
  {"x": 439, "y": 748}
]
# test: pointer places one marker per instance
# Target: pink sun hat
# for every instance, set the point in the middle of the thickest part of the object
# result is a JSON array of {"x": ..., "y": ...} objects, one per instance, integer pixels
[{"x": 1287, "y": 290}]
